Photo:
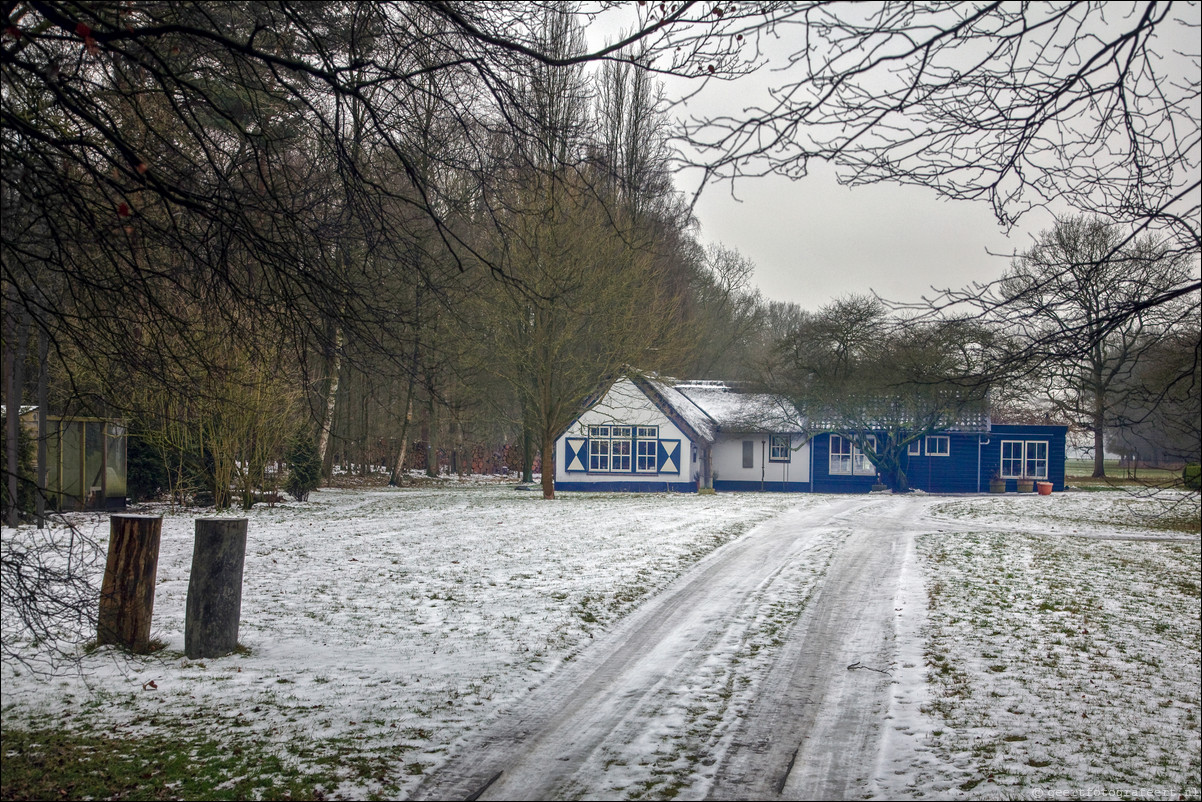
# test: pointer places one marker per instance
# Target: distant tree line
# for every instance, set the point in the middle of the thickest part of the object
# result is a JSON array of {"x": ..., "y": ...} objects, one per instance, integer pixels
[{"x": 448, "y": 224}]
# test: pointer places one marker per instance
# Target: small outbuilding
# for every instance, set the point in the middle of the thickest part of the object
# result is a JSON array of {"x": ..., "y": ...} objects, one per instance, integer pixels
[{"x": 85, "y": 460}]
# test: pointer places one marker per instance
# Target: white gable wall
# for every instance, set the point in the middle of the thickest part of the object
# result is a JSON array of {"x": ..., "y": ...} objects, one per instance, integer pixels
[{"x": 625, "y": 405}]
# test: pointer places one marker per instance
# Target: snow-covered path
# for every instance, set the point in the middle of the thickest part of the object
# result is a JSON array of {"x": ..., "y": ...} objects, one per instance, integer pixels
[{"x": 732, "y": 683}]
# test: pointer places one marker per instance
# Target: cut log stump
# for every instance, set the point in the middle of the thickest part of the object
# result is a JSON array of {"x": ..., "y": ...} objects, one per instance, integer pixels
[
  {"x": 214, "y": 604},
  {"x": 127, "y": 593}
]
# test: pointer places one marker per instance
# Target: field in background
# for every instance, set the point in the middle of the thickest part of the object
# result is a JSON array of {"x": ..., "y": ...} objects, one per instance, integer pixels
[{"x": 1079, "y": 472}]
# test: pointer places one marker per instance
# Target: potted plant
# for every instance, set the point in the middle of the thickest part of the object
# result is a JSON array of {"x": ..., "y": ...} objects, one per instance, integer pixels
[
  {"x": 1026, "y": 485},
  {"x": 996, "y": 483}
]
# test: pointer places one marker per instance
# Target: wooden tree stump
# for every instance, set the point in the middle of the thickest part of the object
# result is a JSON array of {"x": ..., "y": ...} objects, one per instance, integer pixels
[
  {"x": 215, "y": 588},
  {"x": 127, "y": 593}
]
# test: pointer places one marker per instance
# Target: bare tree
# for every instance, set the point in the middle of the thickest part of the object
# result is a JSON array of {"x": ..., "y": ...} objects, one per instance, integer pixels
[
  {"x": 49, "y": 593},
  {"x": 1084, "y": 313},
  {"x": 1158, "y": 414},
  {"x": 881, "y": 381},
  {"x": 1087, "y": 105}
]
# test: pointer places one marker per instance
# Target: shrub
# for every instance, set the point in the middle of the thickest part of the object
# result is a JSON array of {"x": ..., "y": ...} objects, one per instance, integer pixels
[
  {"x": 27, "y": 487},
  {"x": 304, "y": 467},
  {"x": 1192, "y": 476},
  {"x": 146, "y": 473}
]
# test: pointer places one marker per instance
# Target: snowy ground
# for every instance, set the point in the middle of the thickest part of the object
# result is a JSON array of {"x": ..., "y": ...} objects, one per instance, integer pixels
[{"x": 1059, "y": 641}]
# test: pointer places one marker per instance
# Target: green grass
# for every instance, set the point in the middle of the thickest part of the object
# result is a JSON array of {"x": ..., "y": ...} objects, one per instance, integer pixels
[
  {"x": 1079, "y": 472},
  {"x": 56, "y": 764}
]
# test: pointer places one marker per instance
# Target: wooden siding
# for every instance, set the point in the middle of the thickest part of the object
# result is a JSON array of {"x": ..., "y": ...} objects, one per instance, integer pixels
[{"x": 972, "y": 461}]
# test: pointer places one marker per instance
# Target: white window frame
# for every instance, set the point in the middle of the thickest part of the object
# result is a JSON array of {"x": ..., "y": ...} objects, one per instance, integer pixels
[
  {"x": 1023, "y": 459},
  {"x": 780, "y": 448},
  {"x": 850, "y": 461},
  {"x": 861, "y": 465},
  {"x": 619, "y": 448},
  {"x": 598, "y": 454},
  {"x": 646, "y": 455},
  {"x": 1035, "y": 465},
  {"x": 840, "y": 456},
  {"x": 939, "y": 440},
  {"x": 620, "y": 455},
  {"x": 914, "y": 449}
]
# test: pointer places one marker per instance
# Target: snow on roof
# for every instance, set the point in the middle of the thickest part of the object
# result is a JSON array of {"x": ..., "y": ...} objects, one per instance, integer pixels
[
  {"x": 744, "y": 412},
  {"x": 693, "y": 415},
  {"x": 712, "y": 406}
]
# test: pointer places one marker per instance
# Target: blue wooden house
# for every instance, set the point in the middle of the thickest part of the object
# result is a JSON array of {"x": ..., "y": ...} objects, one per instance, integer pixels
[
  {"x": 648, "y": 434},
  {"x": 958, "y": 460}
]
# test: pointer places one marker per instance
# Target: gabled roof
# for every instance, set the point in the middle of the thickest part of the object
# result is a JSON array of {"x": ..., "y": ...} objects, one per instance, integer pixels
[
  {"x": 691, "y": 419},
  {"x": 735, "y": 411},
  {"x": 712, "y": 407}
]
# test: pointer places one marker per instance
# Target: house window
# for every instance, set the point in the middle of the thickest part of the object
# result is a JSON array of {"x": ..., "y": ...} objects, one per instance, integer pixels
[
  {"x": 847, "y": 458},
  {"x": 1036, "y": 464},
  {"x": 1024, "y": 459},
  {"x": 939, "y": 445},
  {"x": 598, "y": 450},
  {"x": 646, "y": 449},
  {"x": 645, "y": 453},
  {"x": 778, "y": 448},
  {"x": 748, "y": 453},
  {"x": 619, "y": 456},
  {"x": 623, "y": 449},
  {"x": 915, "y": 448}
]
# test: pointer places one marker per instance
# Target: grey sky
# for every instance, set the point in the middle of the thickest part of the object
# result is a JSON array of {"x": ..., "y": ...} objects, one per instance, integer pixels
[{"x": 812, "y": 240}]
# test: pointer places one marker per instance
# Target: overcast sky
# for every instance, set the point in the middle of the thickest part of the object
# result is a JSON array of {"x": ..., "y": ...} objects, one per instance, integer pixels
[{"x": 813, "y": 240}]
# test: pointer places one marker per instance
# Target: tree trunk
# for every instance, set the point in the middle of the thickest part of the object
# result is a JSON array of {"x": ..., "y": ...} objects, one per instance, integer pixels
[
  {"x": 548, "y": 466},
  {"x": 127, "y": 593},
  {"x": 334, "y": 370},
  {"x": 43, "y": 429},
  {"x": 214, "y": 604},
  {"x": 1099, "y": 423},
  {"x": 527, "y": 454},
  {"x": 14, "y": 374},
  {"x": 431, "y": 445},
  {"x": 1099, "y": 455},
  {"x": 399, "y": 471}
]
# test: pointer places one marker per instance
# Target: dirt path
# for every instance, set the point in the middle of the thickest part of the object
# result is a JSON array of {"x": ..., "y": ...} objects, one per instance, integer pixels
[{"x": 732, "y": 683}]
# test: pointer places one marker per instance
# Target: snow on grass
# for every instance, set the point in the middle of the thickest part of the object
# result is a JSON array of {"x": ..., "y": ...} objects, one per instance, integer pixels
[
  {"x": 1060, "y": 643},
  {"x": 1059, "y": 663},
  {"x": 1127, "y": 513},
  {"x": 380, "y": 626}
]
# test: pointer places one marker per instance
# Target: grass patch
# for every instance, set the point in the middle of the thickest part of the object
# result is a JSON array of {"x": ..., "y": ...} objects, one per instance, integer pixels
[
  {"x": 55, "y": 764},
  {"x": 1081, "y": 470},
  {"x": 1095, "y": 640}
]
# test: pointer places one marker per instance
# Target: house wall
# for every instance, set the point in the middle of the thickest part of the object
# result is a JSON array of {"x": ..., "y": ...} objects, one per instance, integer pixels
[
  {"x": 971, "y": 462},
  {"x": 626, "y": 405},
  {"x": 957, "y": 472},
  {"x": 764, "y": 474},
  {"x": 992, "y": 452}
]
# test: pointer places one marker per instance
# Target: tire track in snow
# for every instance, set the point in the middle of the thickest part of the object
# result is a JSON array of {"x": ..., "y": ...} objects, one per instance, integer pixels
[
  {"x": 593, "y": 728},
  {"x": 814, "y": 731}
]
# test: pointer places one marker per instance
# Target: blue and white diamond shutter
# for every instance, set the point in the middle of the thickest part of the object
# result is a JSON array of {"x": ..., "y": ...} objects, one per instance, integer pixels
[
  {"x": 669, "y": 456},
  {"x": 576, "y": 456}
]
